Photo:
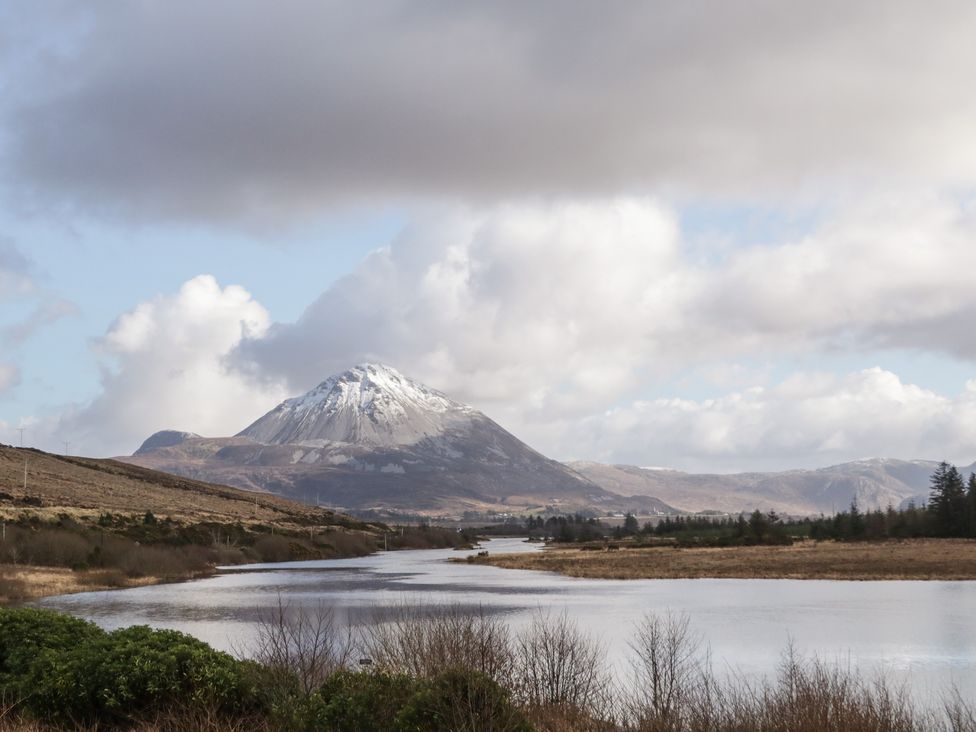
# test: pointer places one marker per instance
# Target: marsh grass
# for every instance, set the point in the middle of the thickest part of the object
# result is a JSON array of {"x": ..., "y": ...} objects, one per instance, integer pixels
[{"x": 939, "y": 559}]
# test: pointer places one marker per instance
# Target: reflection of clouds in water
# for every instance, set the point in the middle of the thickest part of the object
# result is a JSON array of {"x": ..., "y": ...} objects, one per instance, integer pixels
[{"x": 915, "y": 631}]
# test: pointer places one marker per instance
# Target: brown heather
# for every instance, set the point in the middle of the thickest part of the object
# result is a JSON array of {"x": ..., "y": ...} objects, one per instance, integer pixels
[{"x": 916, "y": 559}]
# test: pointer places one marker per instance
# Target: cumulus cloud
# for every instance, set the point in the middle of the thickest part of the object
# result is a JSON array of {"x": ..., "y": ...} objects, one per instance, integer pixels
[
  {"x": 895, "y": 271},
  {"x": 547, "y": 315},
  {"x": 164, "y": 368},
  {"x": 236, "y": 108},
  {"x": 590, "y": 299},
  {"x": 555, "y": 306},
  {"x": 808, "y": 420}
]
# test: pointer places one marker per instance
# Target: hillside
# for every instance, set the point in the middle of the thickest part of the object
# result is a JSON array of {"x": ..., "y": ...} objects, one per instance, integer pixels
[
  {"x": 90, "y": 487},
  {"x": 873, "y": 483}
]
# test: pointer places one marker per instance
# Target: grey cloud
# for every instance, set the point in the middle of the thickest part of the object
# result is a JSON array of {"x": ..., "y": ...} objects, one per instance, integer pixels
[{"x": 244, "y": 109}]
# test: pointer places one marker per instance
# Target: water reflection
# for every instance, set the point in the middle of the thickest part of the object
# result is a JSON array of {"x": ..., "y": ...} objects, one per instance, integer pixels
[{"x": 923, "y": 632}]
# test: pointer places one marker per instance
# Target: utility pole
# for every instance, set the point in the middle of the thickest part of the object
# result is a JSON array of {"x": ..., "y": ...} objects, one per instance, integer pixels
[
  {"x": 66, "y": 443},
  {"x": 21, "y": 430}
]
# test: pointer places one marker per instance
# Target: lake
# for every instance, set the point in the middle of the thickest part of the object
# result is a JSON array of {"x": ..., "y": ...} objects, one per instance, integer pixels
[{"x": 920, "y": 631}]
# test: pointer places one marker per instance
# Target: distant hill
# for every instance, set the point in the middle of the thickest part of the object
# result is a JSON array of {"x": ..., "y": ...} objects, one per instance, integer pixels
[
  {"x": 87, "y": 486},
  {"x": 874, "y": 483},
  {"x": 371, "y": 438}
]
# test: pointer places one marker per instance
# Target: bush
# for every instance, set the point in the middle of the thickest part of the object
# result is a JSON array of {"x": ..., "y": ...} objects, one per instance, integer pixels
[
  {"x": 273, "y": 548},
  {"x": 363, "y": 702},
  {"x": 25, "y": 633},
  {"x": 132, "y": 673},
  {"x": 461, "y": 701}
]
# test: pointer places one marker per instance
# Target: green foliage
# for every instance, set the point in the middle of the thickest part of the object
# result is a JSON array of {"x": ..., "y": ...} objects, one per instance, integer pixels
[
  {"x": 947, "y": 501},
  {"x": 455, "y": 701},
  {"x": 67, "y": 670},
  {"x": 461, "y": 700},
  {"x": 631, "y": 526},
  {"x": 25, "y": 632},
  {"x": 363, "y": 701}
]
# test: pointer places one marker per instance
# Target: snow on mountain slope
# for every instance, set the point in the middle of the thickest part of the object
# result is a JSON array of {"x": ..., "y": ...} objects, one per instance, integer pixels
[
  {"x": 373, "y": 438},
  {"x": 370, "y": 404}
]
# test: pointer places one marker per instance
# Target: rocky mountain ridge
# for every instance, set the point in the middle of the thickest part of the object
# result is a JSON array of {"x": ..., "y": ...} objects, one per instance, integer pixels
[{"x": 371, "y": 438}]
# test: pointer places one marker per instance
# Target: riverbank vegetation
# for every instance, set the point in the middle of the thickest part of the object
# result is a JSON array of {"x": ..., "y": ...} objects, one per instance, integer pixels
[
  {"x": 915, "y": 559},
  {"x": 42, "y": 556},
  {"x": 434, "y": 668}
]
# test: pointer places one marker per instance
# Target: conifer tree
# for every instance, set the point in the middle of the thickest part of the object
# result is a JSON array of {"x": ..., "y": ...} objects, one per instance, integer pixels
[{"x": 947, "y": 501}]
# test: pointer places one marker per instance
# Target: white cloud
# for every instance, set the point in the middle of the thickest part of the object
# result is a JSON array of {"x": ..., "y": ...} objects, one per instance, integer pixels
[
  {"x": 164, "y": 368},
  {"x": 897, "y": 271},
  {"x": 808, "y": 420},
  {"x": 552, "y": 306},
  {"x": 546, "y": 315}
]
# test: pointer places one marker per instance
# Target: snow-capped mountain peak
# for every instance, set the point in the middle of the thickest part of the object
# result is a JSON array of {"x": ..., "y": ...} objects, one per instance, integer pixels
[{"x": 371, "y": 404}]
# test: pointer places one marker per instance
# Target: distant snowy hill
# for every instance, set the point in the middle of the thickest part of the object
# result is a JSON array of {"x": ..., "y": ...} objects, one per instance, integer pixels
[
  {"x": 873, "y": 483},
  {"x": 369, "y": 404},
  {"x": 372, "y": 438}
]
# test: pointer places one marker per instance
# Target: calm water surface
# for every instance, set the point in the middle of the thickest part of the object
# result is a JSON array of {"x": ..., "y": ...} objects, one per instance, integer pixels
[{"x": 924, "y": 632}]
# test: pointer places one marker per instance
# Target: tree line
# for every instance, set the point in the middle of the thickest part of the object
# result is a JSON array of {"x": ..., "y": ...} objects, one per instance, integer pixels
[{"x": 950, "y": 512}]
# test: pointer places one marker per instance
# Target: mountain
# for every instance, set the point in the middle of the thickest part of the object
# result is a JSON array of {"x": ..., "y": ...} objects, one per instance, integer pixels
[
  {"x": 367, "y": 405},
  {"x": 873, "y": 483},
  {"x": 165, "y": 438},
  {"x": 371, "y": 438}
]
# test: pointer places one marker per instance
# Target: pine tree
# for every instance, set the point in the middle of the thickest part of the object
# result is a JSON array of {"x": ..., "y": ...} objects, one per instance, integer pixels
[
  {"x": 971, "y": 506},
  {"x": 947, "y": 501},
  {"x": 631, "y": 526}
]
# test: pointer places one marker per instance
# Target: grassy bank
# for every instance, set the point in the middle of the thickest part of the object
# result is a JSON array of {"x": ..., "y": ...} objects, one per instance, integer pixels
[
  {"x": 911, "y": 559},
  {"x": 41, "y": 555},
  {"x": 437, "y": 669}
]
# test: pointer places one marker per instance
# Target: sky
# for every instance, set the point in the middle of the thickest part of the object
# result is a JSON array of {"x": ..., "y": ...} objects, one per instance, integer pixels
[{"x": 708, "y": 236}]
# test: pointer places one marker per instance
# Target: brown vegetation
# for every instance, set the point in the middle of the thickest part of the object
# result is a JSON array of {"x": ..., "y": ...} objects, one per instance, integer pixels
[
  {"x": 88, "y": 487},
  {"x": 30, "y": 583},
  {"x": 920, "y": 559},
  {"x": 83, "y": 524}
]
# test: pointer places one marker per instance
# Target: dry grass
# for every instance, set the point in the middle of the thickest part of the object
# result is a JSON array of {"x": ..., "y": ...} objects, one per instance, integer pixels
[
  {"x": 86, "y": 487},
  {"x": 918, "y": 559},
  {"x": 29, "y": 583}
]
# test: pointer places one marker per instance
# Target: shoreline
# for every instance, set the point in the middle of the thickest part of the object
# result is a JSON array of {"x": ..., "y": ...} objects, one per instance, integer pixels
[
  {"x": 906, "y": 559},
  {"x": 26, "y": 583}
]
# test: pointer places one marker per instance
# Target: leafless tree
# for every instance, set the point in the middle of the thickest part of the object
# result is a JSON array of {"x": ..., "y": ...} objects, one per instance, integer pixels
[
  {"x": 424, "y": 640},
  {"x": 669, "y": 669},
  {"x": 305, "y": 644},
  {"x": 559, "y": 665}
]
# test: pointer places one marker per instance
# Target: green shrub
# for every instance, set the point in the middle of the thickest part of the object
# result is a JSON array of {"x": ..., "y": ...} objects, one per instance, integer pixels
[
  {"x": 461, "y": 700},
  {"x": 25, "y": 633},
  {"x": 363, "y": 701},
  {"x": 133, "y": 673}
]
